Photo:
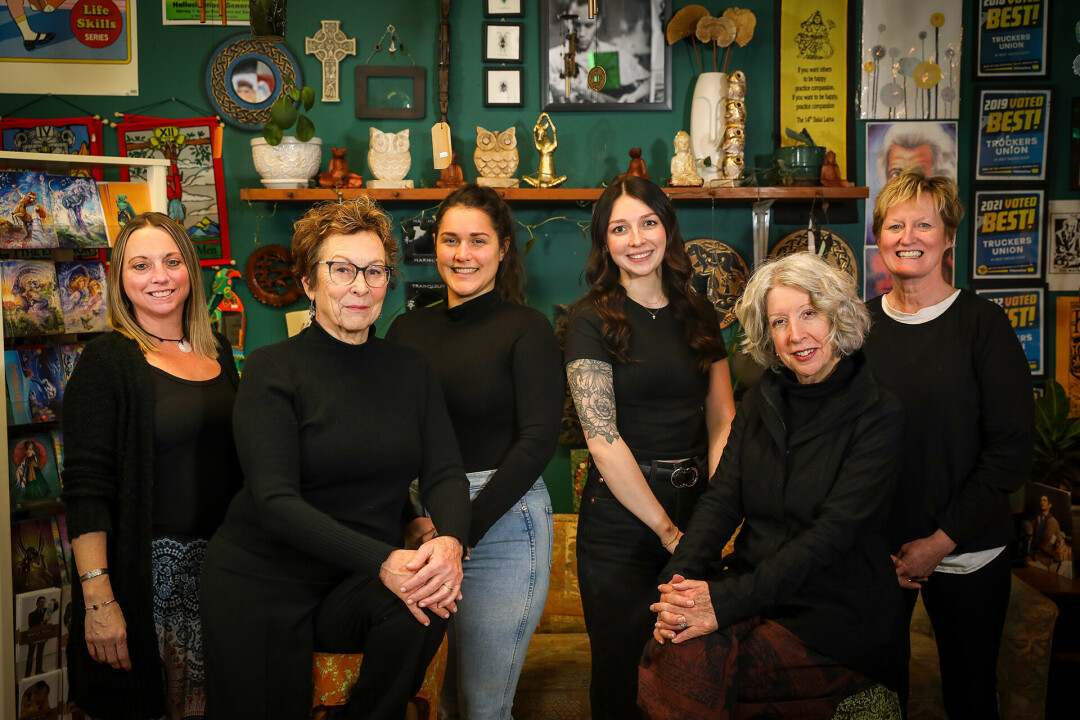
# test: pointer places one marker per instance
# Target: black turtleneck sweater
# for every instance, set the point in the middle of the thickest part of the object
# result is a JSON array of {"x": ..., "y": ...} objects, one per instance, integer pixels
[
  {"x": 330, "y": 435},
  {"x": 501, "y": 373}
]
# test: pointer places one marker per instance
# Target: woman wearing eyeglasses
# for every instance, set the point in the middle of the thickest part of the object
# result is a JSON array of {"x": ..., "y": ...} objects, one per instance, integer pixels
[{"x": 331, "y": 427}]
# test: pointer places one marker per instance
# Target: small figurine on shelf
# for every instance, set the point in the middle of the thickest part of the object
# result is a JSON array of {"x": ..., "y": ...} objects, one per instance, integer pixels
[
  {"x": 496, "y": 157},
  {"x": 637, "y": 165},
  {"x": 683, "y": 173},
  {"x": 337, "y": 174},
  {"x": 546, "y": 143},
  {"x": 451, "y": 176},
  {"x": 389, "y": 159},
  {"x": 830, "y": 172}
]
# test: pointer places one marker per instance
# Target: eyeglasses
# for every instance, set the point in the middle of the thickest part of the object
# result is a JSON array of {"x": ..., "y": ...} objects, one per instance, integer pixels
[{"x": 343, "y": 272}]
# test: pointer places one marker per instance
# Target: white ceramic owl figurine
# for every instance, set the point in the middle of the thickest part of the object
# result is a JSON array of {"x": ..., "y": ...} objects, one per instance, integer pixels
[
  {"x": 496, "y": 157},
  {"x": 388, "y": 159}
]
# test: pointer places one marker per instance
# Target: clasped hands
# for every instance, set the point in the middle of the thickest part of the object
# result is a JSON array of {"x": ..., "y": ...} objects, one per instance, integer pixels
[
  {"x": 684, "y": 611},
  {"x": 428, "y": 577}
]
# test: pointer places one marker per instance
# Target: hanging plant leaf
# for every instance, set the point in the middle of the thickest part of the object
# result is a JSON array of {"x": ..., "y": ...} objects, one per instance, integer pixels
[
  {"x": 272, "y": 133},
  {"x": 283, "y": 113},
  {"x": 307, "y": 97}
]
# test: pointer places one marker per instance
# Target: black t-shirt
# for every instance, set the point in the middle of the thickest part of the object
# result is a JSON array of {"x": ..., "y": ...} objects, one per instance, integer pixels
[
  {"x": 196, "y": 472},
  {"x": 660, "y": 399}
]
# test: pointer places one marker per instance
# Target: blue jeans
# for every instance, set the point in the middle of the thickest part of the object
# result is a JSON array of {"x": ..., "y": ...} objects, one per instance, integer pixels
[{"x": 504, "y": 591}]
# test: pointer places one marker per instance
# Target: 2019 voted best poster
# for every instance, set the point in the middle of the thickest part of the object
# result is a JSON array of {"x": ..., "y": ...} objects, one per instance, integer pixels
[{"x": 1013, "y": 126}]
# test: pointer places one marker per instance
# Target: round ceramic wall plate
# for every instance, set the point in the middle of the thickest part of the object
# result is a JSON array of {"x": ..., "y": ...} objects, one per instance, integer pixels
[
  {"x": 829, "y": 246},
  {"x": 720, "y": 272},
  {"x": 245, "y": 76}
]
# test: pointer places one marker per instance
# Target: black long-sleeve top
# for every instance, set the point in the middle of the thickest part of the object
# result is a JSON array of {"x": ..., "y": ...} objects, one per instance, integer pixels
[
  {"x": 812, "y": 554},
  {"x": 966, "y": 386},
  {"x": 501, "y": 374},
  {"x": 330, "y": 435}
]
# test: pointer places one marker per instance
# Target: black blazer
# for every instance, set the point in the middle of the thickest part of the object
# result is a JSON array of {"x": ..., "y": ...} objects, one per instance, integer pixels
[{"x": 812, "y": 554}]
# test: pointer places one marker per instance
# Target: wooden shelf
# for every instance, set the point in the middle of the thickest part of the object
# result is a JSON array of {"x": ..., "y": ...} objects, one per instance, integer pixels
[{"x": 561, "y": 195}]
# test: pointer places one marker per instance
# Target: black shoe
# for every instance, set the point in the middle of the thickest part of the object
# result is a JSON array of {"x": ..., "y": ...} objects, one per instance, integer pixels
[{"x": 41, "y": 39}]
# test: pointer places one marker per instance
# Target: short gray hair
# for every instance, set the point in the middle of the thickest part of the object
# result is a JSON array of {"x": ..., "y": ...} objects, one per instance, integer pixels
[{"x": 831, "y": 292}]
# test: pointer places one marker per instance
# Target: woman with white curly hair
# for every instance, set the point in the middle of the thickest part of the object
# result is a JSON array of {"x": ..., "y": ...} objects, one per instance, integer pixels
[{"x": 806, "y": 611}]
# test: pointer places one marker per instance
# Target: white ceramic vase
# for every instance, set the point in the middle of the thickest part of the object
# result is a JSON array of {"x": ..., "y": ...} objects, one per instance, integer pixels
[
  {"x": 707, "y": 123},
  {"x": 288, "y": 164}
]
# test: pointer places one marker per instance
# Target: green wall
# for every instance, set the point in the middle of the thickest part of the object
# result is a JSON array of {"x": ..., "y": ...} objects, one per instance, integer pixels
[{"x": 592, "y": 145}]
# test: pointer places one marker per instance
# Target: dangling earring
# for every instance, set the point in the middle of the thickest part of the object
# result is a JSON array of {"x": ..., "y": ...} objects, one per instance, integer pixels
[{"x": 311, "y": 311}]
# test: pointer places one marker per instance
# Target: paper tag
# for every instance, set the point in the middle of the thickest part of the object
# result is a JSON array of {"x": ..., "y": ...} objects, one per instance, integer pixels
[{"x": 440, "y": 145}]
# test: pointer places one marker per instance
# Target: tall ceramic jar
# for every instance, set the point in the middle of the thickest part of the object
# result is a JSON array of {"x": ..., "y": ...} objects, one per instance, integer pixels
[{"x": 707, "y": 122}]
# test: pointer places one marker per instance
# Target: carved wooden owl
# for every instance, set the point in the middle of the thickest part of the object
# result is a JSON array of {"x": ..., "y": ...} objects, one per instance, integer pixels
[
  {"x": 389, "y": 158},
  {"x": 496, "y": 154}
]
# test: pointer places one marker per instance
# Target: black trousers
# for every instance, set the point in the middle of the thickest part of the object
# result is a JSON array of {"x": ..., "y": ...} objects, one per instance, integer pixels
[
  {"x": 967, "y": 613},
  {"x": 619, "y": 561},
  {"x": 264, "y": 617}
]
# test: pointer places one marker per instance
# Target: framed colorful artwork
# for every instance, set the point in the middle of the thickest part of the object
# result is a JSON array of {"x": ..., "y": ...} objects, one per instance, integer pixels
[
  {"x": 194, "y": 185},
  {"x": 68, "y": 136}
]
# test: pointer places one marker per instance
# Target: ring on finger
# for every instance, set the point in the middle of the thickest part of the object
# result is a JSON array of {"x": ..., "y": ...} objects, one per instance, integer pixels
[
  {"x": 682, "y": 626},
  {"x": 448, "y": 587}
]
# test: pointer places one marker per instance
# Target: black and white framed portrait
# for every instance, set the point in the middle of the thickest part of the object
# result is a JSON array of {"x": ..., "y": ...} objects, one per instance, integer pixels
[
  {"x": 502, "y": 87},
  {"x": 503, "y": 8},
  {"x": 502, "y": 42},
  {"x": 626, "y": 40}
]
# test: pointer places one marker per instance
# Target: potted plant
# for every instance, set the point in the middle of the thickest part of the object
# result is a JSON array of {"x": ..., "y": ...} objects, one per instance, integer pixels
[
  {"x": 1056, "y": 457},
  {"x": 288, "y": 161},
  {"x": 800, "y": 164}
]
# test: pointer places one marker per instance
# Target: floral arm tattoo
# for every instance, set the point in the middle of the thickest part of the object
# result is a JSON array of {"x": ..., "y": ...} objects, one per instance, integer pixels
[{"x": 593, "y": 391}]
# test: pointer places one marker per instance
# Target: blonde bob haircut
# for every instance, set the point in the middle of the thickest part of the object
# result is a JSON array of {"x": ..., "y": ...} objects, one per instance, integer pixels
[
  {"x": 331, "y": 219},
  {"x": 910, "y": 185},
  {"x": 121, "y": 313},
  {"x": 831, "y": 292}
]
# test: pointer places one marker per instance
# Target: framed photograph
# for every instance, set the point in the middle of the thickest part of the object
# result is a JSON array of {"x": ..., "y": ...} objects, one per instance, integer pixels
[
  {"x": 1047, "y": 529},
  {"x": 503, "y": 8},
  {"x": 626, "y": 40},
  {"x": 502, "y": 42},
  {"x": 1063, "y": 245},
  {"x": 502, "y": 87},
  {"x": 1013, "y": 128},
  {"x": 1010, "y": 40}
]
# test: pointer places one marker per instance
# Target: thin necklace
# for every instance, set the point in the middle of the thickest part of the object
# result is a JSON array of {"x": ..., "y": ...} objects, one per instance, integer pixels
[
  {"x": 648, "y": 309},
  {"x": 181, "y": 344}
]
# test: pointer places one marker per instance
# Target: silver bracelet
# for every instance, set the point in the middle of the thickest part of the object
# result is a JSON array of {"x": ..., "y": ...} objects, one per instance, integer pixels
[
  {"x": 98, "y": 607},
  {"x": 93, "y": 574}
]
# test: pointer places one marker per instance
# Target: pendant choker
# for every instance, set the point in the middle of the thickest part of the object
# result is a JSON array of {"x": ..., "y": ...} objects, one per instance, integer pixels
[{"x": 181, "y": 344}]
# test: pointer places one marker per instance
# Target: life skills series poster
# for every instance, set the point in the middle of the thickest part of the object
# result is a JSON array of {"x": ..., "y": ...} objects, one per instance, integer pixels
[
  {"x": 1024, "y": 307},
  {"x": 1007, "y": 235},
  {"x": 1011, "y": 38},
  {"x": 1013, "y": 125}
]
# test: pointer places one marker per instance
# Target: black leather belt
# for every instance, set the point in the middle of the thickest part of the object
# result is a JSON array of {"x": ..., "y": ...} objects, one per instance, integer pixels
[{"x": 681, "y": 475}]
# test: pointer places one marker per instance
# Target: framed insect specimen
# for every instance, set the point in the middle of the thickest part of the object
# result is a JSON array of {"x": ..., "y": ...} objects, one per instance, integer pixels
[
  {"x": 502, "y": 87},
  {"x": 502, "y": 42}
]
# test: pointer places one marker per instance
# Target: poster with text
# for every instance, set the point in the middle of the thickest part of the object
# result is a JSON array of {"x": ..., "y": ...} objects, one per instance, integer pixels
[
  {"x": 1063, "y": 245},
  {"x": 1024, "y": 306},
  {"x": 68, "y": 47},
  {"x": 1067, "y": 349},
  {"x": 910, "y": 60},
  {"x": 893, "y": 147},
  {"x": 813, "y": 73},
  {"x": 1013, "y": 126},
  {"x": 1007, "y": 235},
  {"x": 187, "y": 12},
  {"x": 1011, "y": 38}
]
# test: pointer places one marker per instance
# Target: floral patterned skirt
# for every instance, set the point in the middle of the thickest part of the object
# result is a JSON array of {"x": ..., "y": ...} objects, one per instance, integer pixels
[
  {"x": 176, "y": 568},
  {"x": 754, "y": 669}
]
